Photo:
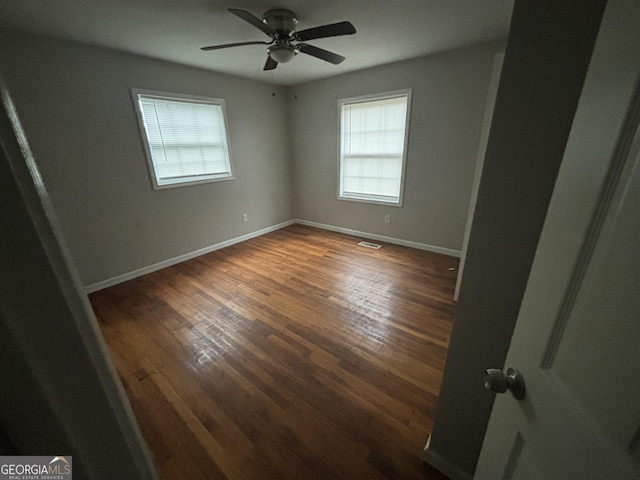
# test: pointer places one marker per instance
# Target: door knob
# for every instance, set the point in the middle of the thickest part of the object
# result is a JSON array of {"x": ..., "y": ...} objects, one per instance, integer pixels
[{"x": 496, "y": 381}]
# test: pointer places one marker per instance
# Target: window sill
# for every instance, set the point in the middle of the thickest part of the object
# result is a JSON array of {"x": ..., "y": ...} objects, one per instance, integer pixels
[
  {"x": 375, "y": 201},
  {"x": 185, "y": 182}
]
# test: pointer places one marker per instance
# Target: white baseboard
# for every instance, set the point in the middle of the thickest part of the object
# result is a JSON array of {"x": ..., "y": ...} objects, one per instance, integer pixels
[
  {"x": 94, "y": 287},
  {"x": 383, "y": 238},
  {"x": 444, "y": 466}
]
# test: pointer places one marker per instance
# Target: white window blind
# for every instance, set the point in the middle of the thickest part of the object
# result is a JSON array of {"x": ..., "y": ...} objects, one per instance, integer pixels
[
  {"x": 372, "y": 148},
  {"x": 186, "y": 139}
]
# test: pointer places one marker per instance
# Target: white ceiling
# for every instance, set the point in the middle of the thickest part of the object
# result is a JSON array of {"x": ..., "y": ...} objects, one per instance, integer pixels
[{"x": 174, "y": 30}]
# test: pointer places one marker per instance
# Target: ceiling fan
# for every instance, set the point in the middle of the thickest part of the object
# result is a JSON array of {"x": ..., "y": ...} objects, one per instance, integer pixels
[{"x": 280, "y": 25}]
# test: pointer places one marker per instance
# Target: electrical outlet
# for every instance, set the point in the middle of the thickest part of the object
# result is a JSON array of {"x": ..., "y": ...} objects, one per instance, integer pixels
[
  {"x": 245, "y": 217},
  {"x": 387, "y": 218}
]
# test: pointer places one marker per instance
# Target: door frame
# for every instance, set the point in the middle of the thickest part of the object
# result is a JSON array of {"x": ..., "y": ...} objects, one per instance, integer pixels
[
  {"x": 73, "y": 398},
  {"x": 492, "y": 93}
]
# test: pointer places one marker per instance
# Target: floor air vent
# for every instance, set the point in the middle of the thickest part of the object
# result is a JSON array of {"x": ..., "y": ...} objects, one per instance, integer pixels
[{"x": 370, "y": 245}]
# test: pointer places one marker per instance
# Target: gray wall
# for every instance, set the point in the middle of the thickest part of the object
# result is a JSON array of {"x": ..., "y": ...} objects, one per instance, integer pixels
[
  {"x": 76, "y": 106},
  {"x": 448, "y": 100},
  {"x": 548, "y": 52}
]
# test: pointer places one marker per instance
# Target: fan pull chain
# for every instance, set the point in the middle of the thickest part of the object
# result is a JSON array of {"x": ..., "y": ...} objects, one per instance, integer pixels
[{"x": 294, "y": 71}]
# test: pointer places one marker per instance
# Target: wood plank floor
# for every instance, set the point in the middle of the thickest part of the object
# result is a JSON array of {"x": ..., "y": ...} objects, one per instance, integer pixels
[{"x": 295, "y": 355}]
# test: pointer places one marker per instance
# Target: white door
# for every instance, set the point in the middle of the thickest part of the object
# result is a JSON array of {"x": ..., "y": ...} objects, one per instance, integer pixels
[{"x": 577, "y": 338}]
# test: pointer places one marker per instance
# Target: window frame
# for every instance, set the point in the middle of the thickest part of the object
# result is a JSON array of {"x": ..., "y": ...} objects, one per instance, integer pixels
[
  {"x": 181, "y": 181},
  {"x": 369, "y": 198}
]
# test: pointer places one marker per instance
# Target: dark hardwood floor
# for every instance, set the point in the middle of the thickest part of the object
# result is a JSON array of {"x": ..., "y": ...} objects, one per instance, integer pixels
[{"x": 295, "y": 355}]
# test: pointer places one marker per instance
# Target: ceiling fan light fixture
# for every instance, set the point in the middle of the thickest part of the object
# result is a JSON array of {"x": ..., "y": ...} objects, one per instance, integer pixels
[{"x": 282, "y": 53}]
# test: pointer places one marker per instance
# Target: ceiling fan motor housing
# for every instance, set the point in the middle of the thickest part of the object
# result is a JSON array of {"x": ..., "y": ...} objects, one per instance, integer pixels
[
  {"x": 281, "y": 20},
  {"x": 284, "y": 22}
]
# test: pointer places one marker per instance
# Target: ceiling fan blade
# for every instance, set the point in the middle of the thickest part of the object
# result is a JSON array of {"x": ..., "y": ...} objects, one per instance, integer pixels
[
  {"x": 320, "y": 53},
  {"x": 253, "y": 20},
  {"x": 228, "y": 45},
  {"x": 270, "y": 64},
  {"x": 331, "y": 30}
]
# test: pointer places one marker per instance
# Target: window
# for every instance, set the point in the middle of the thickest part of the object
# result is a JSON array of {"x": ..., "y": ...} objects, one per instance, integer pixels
[
  {"x": 373, "y": 143},
  {"x": 185, "y": 138}
]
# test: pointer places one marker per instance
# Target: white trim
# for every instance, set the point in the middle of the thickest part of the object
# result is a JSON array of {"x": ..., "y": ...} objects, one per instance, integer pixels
[
  {"x": 157, "y": 183},
  {"x": 443, "y": 465},
  {"x": 375, "y": 199},
  {"x": 109, "y": 282},
  {"x": 383, "y": 238}
]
